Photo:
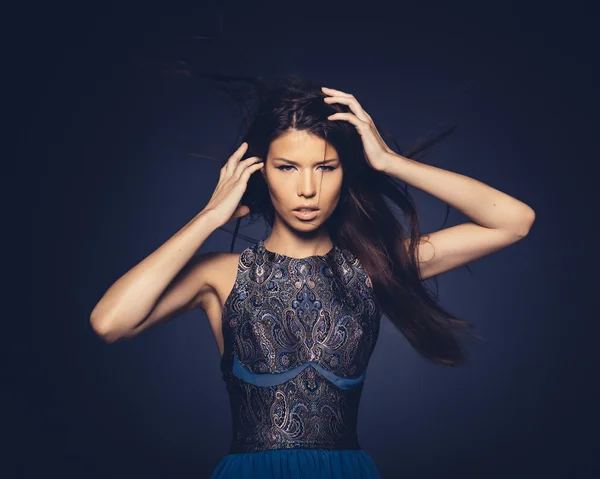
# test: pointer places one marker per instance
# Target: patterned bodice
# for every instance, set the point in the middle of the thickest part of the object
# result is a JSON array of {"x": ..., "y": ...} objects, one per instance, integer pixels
[{"x": 298, "y": 337}]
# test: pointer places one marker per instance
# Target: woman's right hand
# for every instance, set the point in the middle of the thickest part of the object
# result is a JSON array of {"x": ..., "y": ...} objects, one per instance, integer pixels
[{"x": 233, "y": 181}]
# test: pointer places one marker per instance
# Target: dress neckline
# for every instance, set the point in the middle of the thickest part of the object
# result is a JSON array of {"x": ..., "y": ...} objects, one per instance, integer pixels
[{"x": 273, "y": 255}]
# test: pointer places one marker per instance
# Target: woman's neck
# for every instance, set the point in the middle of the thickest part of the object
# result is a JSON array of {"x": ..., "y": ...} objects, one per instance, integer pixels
[{"x": 299, "y": 245}]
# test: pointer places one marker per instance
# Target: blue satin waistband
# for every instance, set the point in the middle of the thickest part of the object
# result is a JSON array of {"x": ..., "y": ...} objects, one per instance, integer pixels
[{"x": 265, "y": 379}]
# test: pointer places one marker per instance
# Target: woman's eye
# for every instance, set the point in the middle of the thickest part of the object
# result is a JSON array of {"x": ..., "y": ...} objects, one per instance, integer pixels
[{"x": 325, "y": 168}]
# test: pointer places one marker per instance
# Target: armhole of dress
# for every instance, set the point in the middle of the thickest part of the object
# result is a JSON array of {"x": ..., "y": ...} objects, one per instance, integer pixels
[
  {"x": 225, "y": 331},
  {"x": 233, "y": 290}
]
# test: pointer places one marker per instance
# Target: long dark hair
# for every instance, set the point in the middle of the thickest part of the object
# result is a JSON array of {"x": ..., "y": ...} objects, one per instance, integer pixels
[{"x": 363, "y": 221}]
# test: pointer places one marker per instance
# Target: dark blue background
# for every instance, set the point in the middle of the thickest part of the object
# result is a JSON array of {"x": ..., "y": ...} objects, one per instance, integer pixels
[{"x": 113, "y": 179}]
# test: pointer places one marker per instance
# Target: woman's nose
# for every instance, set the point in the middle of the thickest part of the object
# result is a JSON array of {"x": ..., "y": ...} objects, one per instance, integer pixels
[{"x": 307, "y": 184}]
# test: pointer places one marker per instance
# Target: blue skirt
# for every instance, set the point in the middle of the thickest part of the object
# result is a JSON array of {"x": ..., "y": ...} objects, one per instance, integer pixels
[{"x": 298, "y": 464}]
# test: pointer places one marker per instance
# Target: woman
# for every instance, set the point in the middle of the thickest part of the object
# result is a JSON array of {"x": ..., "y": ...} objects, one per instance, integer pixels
[{"x": 296, "y": 315}]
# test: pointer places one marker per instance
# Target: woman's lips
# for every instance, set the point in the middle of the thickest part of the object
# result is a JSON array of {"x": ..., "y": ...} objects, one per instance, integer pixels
[{"x": 306, "y": 214}]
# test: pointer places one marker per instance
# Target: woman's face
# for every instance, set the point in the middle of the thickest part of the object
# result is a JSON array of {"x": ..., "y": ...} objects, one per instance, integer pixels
[{"x": 297, "y": 175}]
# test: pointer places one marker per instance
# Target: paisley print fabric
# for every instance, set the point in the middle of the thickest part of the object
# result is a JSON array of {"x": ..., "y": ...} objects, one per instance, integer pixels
[{"x": 298, "y": 334}]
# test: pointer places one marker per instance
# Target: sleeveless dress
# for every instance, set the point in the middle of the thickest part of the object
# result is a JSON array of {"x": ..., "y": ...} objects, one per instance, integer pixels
[{"x": 298, "y": 335}]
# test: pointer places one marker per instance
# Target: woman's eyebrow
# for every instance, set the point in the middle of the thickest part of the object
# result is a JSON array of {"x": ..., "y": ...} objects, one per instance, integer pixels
[{"x": 317, "y": 163}]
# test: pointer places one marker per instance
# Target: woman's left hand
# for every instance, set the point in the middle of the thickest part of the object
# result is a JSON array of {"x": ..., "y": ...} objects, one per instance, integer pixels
[{"x": 377, "y": 152}]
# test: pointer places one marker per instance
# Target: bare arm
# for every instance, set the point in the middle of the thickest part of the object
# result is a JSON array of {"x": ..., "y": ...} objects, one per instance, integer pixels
[
  {"x": 499, "y": 220},
  {"x": 166, "y": 282},
  {"x": 132, "y": 298}
]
